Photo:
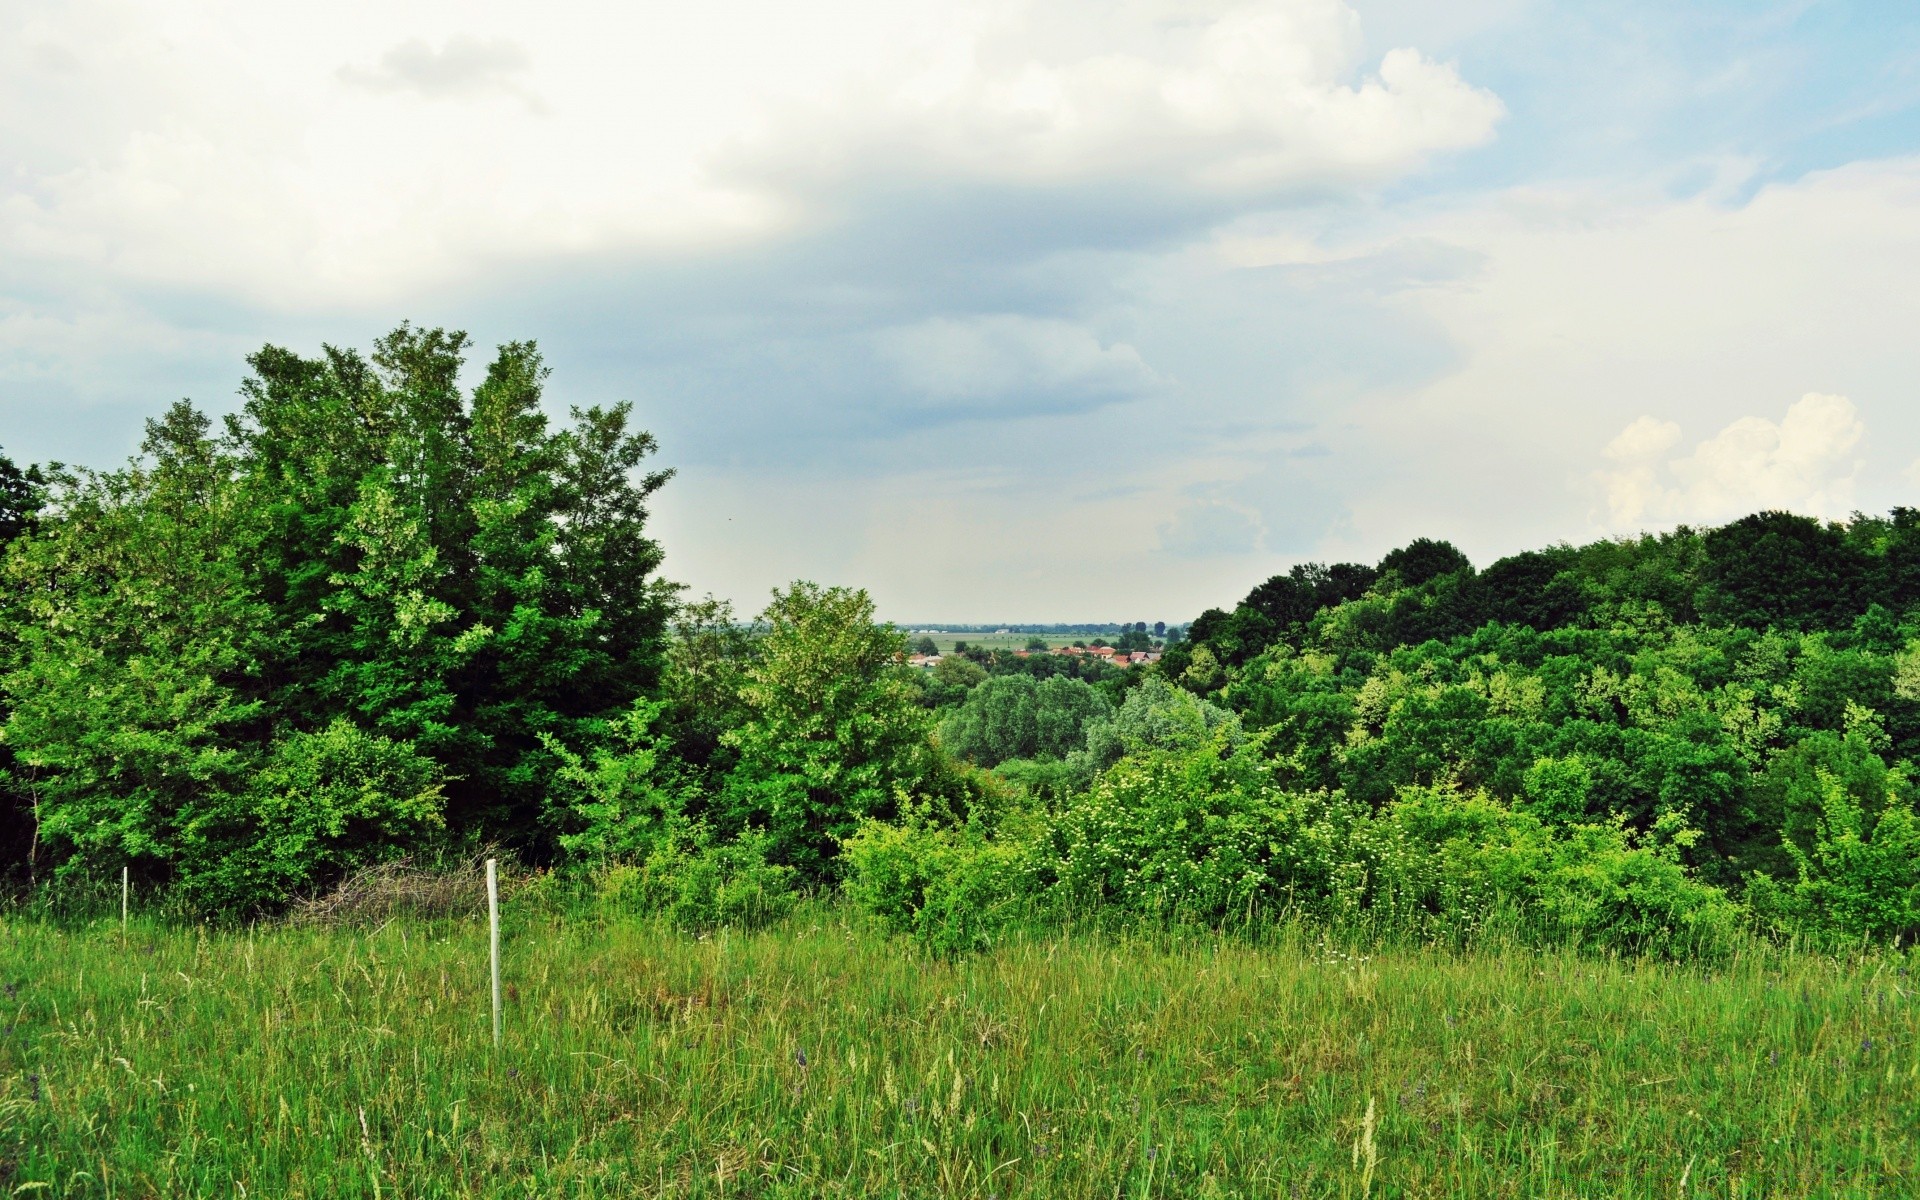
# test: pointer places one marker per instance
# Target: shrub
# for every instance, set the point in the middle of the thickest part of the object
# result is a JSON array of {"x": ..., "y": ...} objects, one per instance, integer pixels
[
  {"x": 834, "y": 725},
  {"x": 1201, "y": 832},
  {"x": 1860, "y": 877},
  {"x": 1442, "y": 861},
  {"x": 624, "y": 798},
  {"x": 952, "y": 888},
  {"x": 323, "y": 805},
  {"x": 699, "y": 884}
]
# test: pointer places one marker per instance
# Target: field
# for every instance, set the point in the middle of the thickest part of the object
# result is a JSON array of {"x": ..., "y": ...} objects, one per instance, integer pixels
[
  {"x": 821, "y": 1059},
  {"x": 1010, "y": 641}
]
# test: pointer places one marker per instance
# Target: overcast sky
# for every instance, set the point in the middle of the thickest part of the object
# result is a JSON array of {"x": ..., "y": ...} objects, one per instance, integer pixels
[{"x": 1047, "y": 311}]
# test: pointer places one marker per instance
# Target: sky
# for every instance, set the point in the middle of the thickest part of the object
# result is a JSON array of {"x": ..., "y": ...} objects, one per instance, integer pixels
[{"x": 1018, "y": 311}]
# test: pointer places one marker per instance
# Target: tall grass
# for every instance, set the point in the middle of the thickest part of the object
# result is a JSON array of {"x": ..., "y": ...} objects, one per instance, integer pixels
[{"x": 820, "y": 1058}]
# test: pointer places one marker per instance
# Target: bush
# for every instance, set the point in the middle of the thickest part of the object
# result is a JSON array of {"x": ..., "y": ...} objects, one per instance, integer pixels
[
  {"x": 1446, "y": 862},
  {"x": 952, "y": 888},
  {"x": 624, "y": 799},
  {"x": 323, "y": 805},
  {"x": 1860, "y": 877},
  {"x": 1202, "y": 833},
  {"x": 701, "y": 885}
]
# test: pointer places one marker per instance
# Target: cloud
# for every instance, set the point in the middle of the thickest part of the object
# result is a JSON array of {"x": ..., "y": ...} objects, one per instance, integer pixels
[
  {"x": 1803, "y": 463},
  {"x": 1008, "y": 363},
  {"x": 1574, "y": 309},
  {"x": 463, "y": 66},
  {"x": 1255, "y": 96},
  {"x": 1210, "y": 529}
]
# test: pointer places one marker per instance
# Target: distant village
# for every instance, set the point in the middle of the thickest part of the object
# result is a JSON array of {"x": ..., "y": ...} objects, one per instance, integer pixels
[
  {"x": 1119, "y": 658},
  {"x": 1137, "y": 647}
]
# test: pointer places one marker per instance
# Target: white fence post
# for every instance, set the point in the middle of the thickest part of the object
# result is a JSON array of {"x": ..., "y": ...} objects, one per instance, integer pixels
[
  {"x": 123, "y": 897},
  {"x": 493, "y": 922}
]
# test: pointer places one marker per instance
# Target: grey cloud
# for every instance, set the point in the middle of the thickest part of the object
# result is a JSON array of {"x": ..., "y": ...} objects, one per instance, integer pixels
[
  {"x": 1010, "y": 362},
  {"x": 1210, "y": 528},
  {"x": 463, "y": 66}
]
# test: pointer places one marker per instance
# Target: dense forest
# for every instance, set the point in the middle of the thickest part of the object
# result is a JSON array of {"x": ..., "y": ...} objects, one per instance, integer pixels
[{"x": 375, "y": 613}]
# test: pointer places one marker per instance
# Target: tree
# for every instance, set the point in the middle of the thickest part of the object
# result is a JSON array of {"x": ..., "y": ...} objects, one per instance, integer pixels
[
  {"x": 20, "y": 498},
  {"x": 834, "y": 729},
  {"x": 1535, "y": 588},
  {"x": 369, "y": 569},
  {"x": 446, "y": 569},
  {"x": 21, "y": 493},
  {"x": 926, "y": 646},
  {"x": 1013, "y": 716},
  {"x": 707, "y": 662},
  {"x": 1777, "y": 568},
  {"x": 143, "y": 652},
  {"x": 1424, "y": 559}
]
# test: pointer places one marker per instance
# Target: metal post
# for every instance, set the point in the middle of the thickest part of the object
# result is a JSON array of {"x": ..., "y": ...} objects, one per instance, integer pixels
[
  {"x": 123, "y": 897},
  {"x": 493, "y": 921}
]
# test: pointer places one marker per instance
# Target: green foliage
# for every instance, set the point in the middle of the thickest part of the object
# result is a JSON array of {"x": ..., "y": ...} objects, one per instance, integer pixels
[
  {"x": 363, "y": 543},
  {"x": 1014, "y": 716},
  {"x": 951, "y": 680},
  {"x": 321, "y": 806},
  {"x": 699, "y": 884},
  {"x": 1779, "y": 569},
  {"x": 1157, "y": 716},
  {"x": 834, "y": 726},
  {"x": 446, "y": 569},
  {"x": 706, "y": 670},
  {"x": 21, "y": 494},
  {"x": 621, "y": 800},
  {"x": 951, "y": 888},
  {"x": 1208, "y": 834},
  {"x": 1858, "y": 875},
  {"x": 137, "y": 641},
  {"x": 1201, "y": 832}
]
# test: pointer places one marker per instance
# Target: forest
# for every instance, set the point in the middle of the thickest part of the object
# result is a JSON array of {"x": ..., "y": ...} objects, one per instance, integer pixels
[{"x": 376, "y": 614}]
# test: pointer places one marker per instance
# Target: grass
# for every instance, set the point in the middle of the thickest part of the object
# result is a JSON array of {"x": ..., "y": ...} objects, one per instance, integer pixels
[{"x": 822, "y": 1059}]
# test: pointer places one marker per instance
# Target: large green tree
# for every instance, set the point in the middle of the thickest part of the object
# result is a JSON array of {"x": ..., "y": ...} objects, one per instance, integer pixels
[
  {"x": 445, "y": 566},
  {"x": 374, "y": 587}
]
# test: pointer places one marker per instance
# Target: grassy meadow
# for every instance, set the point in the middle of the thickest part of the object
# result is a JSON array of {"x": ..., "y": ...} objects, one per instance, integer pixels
[{"x": 820, "y": 1058}]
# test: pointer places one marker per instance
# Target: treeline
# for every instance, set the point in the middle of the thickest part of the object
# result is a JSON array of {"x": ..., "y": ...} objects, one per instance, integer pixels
[{"x": 377, "y": 613}]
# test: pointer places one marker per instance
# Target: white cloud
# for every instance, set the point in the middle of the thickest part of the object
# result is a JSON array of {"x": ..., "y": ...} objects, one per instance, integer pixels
[
  {"x": 1254, "y": 95},
  {"x": 1564, "y": 313},
  {"x": 209, "y": 145},
  {"x": 1036, "y": 364},
  {"x": 1803, "y": 463}
]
